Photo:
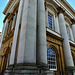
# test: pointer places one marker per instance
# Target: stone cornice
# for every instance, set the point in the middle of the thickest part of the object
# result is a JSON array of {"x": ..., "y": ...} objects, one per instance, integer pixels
[
  {"x": 9, "y": 4},
  {"x": 66, "y": 11},
  {"x": 47, "y": 3},
  {"x": 68, "y": 5}
]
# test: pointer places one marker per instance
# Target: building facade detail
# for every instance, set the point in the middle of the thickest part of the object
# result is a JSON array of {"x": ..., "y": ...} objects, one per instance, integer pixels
[{"x": 38, "y": 38}]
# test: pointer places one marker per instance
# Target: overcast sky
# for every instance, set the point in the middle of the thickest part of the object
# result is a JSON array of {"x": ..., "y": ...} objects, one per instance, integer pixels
[{"x": 4, "y": 2}]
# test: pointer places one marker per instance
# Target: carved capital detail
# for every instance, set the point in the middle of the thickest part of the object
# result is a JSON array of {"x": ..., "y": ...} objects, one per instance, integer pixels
[
  {"x": 60, "y": 10},
  {"x": 73, "y": 21}
]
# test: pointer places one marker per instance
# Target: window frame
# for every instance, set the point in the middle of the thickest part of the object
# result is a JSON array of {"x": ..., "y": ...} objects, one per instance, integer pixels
[
  {"x": 52, "y": 69},
  {"x": 52, "y": 22}
]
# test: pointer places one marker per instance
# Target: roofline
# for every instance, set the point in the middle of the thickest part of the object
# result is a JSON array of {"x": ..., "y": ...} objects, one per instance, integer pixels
[
  {"x": 10, "y": 1},
  {"x": 69, "y": 5}
]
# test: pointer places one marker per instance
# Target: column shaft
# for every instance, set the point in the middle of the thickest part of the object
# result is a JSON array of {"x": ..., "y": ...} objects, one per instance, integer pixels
[
  {"x": 57, "y": 25},
  {"x": 46, "y": 17},
  {"x": 27, "y": 41},
  {"x": 6, "y": 23},
  {"x": 66, "y": 45},
  {"x": 71, "y": 34},
  {"x": 41, "y": 34},
  {"x": 73, "y": 29},
  {"x": 14, "y": 20},
  {"x": 16, "y": 33},
  {"x": 3, "y": 32}
]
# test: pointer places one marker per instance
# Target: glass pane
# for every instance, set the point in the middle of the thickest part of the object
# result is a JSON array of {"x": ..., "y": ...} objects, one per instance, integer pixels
[
  {"x": 51, "y": 59},
  {"x": 49, "y": 21}
]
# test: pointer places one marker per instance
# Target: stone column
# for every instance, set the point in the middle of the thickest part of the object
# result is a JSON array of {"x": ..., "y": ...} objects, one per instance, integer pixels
[
  {"x": 71, "y": 34},
  {"x": 27, "y": 41},
  {"x": 46, "y": 17},
  {"x": 6, "y": 24},
  {"x": 14, "y": 20},
  {"x": 41, "y": 34},
  {"x": 57, "y": 24},
  {"x": 73, "y": 28},
  {"x": 3, "y": 32},
  {"x": 74, "y": 72},
  {"x": 16, "y": 33},
  {"x": 53, "y": 22},
  {"x": 66, "y": 45}
]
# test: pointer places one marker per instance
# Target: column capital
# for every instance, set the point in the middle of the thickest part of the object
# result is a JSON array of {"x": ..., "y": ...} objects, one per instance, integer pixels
[
  {"x": 45, "y": 5},
  {"x": 73, "y": 21},
  {"x": 6, "y": 17},
  {"x": 60, "y": 10}
]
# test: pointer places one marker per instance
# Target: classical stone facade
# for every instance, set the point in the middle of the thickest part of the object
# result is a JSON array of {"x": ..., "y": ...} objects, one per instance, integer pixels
[
  {"x": 0, "y": 38},
  {"x": 38, "y": 38}
]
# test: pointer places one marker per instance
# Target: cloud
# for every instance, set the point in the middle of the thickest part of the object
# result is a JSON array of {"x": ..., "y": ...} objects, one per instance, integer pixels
[
  {"x": 0, "y": 30},
  {"x": 7, "y": 0}
]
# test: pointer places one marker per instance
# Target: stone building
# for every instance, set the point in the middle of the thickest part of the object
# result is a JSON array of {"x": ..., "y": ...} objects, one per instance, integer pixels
[
  {"x": 38, "y": 38},
  {"x": 0, "y": 38}
]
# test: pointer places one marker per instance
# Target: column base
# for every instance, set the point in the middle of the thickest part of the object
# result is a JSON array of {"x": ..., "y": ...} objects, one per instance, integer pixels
[
  {"x": 70, "y": 70},
  {"x": 23, "y": 69}
]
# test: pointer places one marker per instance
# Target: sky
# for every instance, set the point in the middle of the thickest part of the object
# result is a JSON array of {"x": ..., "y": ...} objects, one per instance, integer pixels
[
  {"x": 4, "y": 2},
  {"x": 2, "y": 6}
]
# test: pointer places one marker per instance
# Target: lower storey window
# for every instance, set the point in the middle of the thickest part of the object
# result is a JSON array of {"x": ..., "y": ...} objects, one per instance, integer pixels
[{"x": 52, "y": 64}]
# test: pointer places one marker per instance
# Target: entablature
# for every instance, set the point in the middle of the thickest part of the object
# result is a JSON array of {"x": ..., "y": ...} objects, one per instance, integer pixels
[
  {"x": 54, "y": 34},
  {"x": 63, "y": 5},
  {"x": 10, "y": 7}
]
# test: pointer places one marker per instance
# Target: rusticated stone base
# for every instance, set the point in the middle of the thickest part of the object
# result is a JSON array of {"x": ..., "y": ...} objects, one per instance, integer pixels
[{"x": 27, "y": 70}]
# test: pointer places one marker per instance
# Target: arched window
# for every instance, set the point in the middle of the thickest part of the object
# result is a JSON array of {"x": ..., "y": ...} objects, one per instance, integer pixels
[{"x": 52, "y": 64}]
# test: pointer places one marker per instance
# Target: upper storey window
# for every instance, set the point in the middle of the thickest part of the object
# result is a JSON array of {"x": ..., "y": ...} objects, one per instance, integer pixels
[{"x": 49, "y": 21}]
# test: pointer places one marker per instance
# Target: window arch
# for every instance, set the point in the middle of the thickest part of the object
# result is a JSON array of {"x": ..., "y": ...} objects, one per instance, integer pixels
[{"x": 52, "y": 63}]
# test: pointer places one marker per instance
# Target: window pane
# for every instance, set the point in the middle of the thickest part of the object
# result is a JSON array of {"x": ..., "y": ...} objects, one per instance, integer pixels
[
  {"x": 52, "y": 59},
  {"x": 49, "y": 21}
]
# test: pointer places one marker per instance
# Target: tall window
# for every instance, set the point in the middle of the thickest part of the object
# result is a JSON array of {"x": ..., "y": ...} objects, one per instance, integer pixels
[
  {"x": 68, "y": 32},
  {"x": 49, "y": 21},
  {"x": 52, "y": 64}
]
